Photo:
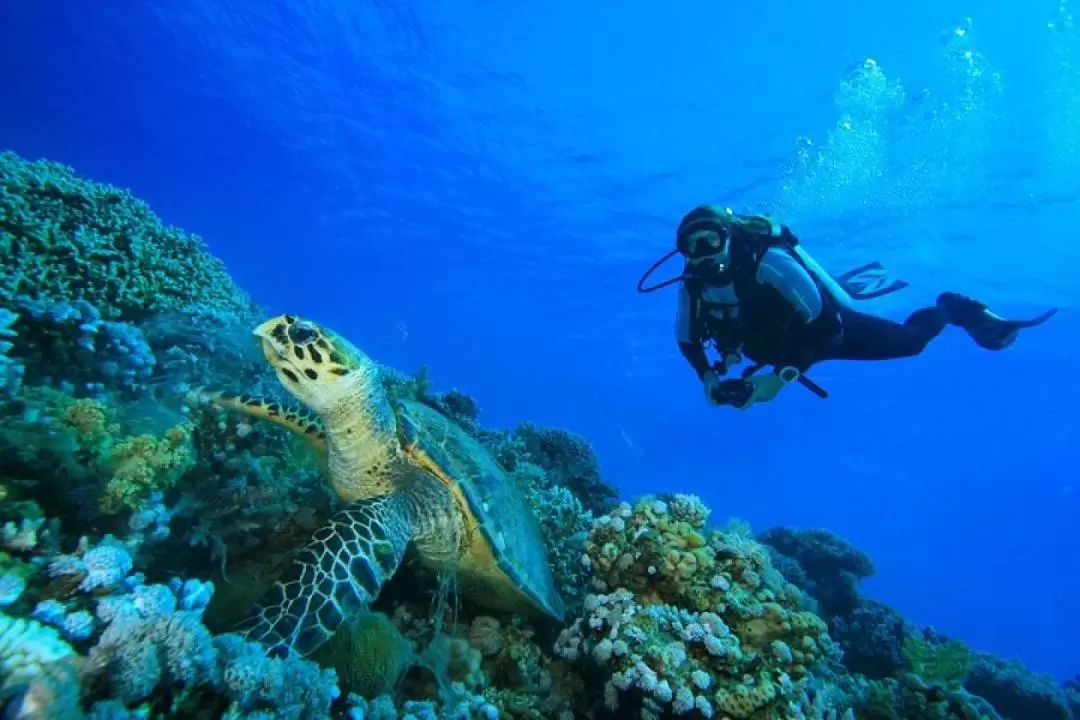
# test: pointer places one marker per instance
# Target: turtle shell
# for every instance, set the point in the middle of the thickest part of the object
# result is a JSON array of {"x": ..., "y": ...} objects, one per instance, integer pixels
[{"x": 493, "y": 498}]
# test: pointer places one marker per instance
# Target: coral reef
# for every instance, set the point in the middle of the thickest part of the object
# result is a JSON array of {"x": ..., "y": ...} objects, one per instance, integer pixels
[
  {"x": 567, "y": 460},
  {"x": 912, "y": 697},
  {"x": 688, "y": 619},
  {"x": 872, "y": 637},
  {"x": 1016, "y": 692},
  {"x": 825, "y": 566},
  {"x": 939, "y": 660},
  {"x": 139, "y": 521}
]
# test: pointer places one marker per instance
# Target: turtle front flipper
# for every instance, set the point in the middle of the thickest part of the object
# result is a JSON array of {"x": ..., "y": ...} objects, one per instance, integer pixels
[
  {"x": 295, "y": 418},
  {"x": 333, "y": 578}
]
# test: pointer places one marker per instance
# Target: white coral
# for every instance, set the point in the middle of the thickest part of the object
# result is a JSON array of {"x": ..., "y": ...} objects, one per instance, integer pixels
[
  {"x": 690, "y": 509},
  {"x": 26, "y": 646}
]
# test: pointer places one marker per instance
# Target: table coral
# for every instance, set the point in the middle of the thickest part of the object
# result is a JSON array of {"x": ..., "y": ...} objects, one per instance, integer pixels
[
  {"x": 688, "y": 619},
  {"x": 62, "y": 236}
]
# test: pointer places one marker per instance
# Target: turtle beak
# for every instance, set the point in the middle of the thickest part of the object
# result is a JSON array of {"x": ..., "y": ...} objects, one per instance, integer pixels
[{"x": 272, "y": 335}]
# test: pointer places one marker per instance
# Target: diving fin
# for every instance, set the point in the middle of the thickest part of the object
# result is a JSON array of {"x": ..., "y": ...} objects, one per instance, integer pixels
[
  {"x": 997, "y": 333},
  {"x": 868, "y": 282},
  {"x": 989, "y": 331}
]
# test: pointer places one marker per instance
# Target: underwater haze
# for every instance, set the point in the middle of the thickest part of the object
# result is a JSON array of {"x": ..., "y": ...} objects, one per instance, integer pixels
[{"x": 478, "y": 186}]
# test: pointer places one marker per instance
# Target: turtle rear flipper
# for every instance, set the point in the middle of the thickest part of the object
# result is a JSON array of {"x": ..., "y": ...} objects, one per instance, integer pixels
[
  {"x": 333, "y": 578},
  {"x": 293, "y": 417}
]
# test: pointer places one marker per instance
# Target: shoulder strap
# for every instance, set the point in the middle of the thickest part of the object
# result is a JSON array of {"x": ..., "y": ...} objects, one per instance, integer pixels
[{"x": 695, "y": 293}]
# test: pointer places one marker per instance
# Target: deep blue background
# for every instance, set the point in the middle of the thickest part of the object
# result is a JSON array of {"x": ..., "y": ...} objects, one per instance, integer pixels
[{"x": 478, "y": 188}]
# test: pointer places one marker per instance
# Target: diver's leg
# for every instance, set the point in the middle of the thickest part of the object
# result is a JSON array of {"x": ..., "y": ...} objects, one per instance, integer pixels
[{"x": 868, "y": 337}]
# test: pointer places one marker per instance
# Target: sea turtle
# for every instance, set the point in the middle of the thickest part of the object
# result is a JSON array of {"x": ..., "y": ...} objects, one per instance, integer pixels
[{"x": 410, "y": 477}]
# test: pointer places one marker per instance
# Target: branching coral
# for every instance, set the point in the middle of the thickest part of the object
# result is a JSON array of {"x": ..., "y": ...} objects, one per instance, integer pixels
[
  {"x": 254, "y": 488},
  {"x": 871, "y": 637},
  {"x": 70, "y": 342},
  {"x": 154, "y": 650},
  {"x": 1017, "y": 692},
  {"x": 564, "y": 525},
  {"x": 91, "y": 452},
  {"x": 568, "y": 460}
]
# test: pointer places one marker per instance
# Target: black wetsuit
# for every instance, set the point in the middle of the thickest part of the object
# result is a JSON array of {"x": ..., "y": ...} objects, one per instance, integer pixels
[{"x": 780, "y": 313}]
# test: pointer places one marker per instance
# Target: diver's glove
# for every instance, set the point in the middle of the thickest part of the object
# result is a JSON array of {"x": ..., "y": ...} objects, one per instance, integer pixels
[
  {"x": 738, "y": 393},
  {"x": 712, "y": 378},
  {"x": 768, "y": 385},
  {"x": 741, "y": 394}
]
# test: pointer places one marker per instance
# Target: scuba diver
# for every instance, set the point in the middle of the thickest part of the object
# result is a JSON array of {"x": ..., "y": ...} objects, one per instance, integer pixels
[{"x": 750, "y": 290}]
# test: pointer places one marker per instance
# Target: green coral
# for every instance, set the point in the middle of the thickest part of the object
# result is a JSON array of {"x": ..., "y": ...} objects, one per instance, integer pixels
[
  {"x": 947, "y": 663},
  {"x": 14, "y": 566},
  {"x": 138, "y": 466},
  {"x": 911, "y": 697},
  {"x": 64, "y": 237},
  {"x": 132, "y": 467},
  {"x": 90, "y": 442},
  {"x": 369, "y": 654}
]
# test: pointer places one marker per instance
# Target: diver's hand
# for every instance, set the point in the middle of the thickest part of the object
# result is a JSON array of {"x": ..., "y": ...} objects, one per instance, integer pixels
[
  {"x": 737, "y": 393},
  {"x": 768, "y": 385},
  {"x": 711, "y": 382},
  {"x": 741, "y": 394}
]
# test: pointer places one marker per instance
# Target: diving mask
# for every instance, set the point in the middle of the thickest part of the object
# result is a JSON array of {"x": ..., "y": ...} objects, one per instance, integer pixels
[
  {"x": 712, "y": 244},
  {"x": 704, "y": 240},
  {"x": 705, "y": 232}
]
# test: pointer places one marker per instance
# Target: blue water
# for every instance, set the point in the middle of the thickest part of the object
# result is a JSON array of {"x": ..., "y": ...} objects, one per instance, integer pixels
[{"x": 478, "y": 188}]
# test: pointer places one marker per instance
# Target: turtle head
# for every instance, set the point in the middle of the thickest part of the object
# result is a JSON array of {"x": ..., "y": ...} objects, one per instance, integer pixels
[{"x": 318, "y": 367}]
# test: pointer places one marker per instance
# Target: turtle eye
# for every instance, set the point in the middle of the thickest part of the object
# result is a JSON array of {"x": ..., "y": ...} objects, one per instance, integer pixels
[{"x": 302, "y": 333}]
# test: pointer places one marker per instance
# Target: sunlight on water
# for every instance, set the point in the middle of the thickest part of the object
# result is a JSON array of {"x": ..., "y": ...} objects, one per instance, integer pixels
[
  {"x": 898, "y": 151},
  {"x": 899, "y": 174},
  {"x": 934, "y": 181},
  {"x": 837, "y": 175},
  {"x": 1062, "y": 113}
]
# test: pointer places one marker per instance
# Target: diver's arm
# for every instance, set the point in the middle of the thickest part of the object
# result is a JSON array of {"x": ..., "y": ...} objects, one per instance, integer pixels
[
  {"x": 689, "y": 342},
  {"x": 783, "y": 272}
]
